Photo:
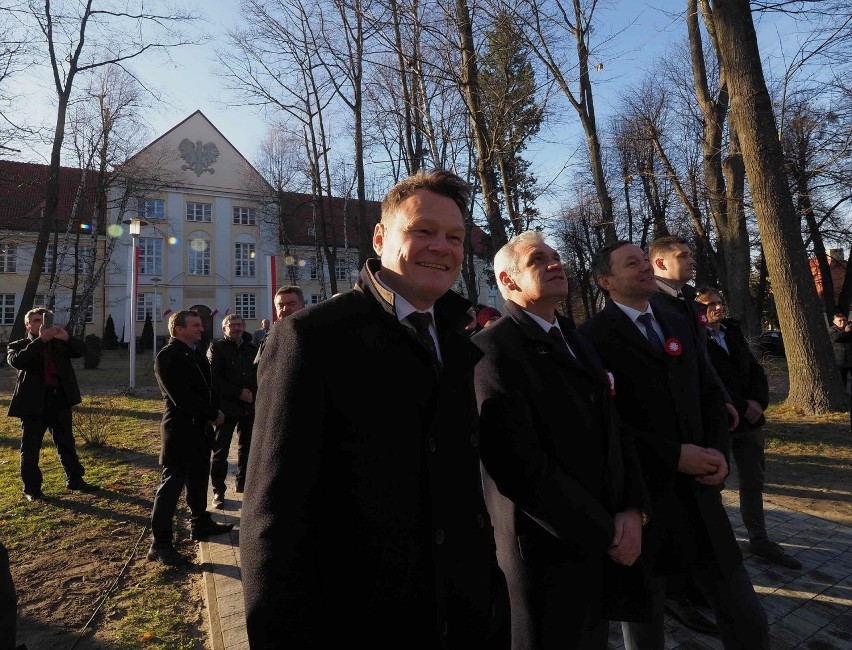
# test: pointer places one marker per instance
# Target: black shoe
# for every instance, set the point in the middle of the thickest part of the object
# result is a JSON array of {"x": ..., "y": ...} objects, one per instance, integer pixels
[
  {"x": 240, "y": 487},
  {"x": 80, "y": 485},
  {"x": 685, "y": 612},
  {"x": 218, "y": 499},
  {"x": 205, "y": 530},
  {"x": 34, "y": 495},
  {"x": 774, "y": 553},
  {"x": 167, "y": 555}
]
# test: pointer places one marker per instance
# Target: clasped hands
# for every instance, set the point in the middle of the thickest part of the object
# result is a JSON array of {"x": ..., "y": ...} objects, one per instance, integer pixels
[{"x": 706, "y": 464}]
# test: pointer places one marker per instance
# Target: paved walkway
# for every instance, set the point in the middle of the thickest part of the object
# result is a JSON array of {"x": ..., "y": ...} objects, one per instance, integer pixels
[{"x": 811, "y": 608}]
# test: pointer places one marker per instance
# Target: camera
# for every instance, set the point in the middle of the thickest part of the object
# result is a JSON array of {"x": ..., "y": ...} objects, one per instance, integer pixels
[{"x": 47, "y": 320}]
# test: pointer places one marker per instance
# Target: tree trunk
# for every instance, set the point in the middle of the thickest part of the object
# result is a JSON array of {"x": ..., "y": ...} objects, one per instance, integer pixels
[{"x": 814, "y": 381}]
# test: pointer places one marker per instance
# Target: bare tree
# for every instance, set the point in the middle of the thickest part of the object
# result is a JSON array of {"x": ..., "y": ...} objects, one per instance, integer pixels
[
  {"x": 814, "y": 384},
  {"x": 78, "y": 40}
]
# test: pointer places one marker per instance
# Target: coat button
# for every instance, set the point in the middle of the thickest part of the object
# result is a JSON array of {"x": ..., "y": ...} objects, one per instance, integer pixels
[
  {"x": 432, "y": 445},
  {"x": 439, "y": 536}
]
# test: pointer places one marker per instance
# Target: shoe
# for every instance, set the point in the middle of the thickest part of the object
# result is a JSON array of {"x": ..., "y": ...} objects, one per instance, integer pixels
[
  {"x": 774, "y": 553},
  {"x": 240, "y": 487},
  {"x": 218, "y": 499},
  {"x": 80, "y": 485},
  {"x": 686, "y": 613},
  {"x": 205, "y": 530},
  {"x": 167, "y": 555},
  {"x": 34, "y": 495}
]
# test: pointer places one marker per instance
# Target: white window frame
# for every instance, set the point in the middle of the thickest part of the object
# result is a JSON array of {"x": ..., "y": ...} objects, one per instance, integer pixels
[
  {"x": 7, "y": 309},
  {"x": 244, "y": 260},
  {"x": 8, "y": 258},
  {"x": 151, "y": 209},
  {"x": 198, "y": 261},
  {"x": 245, "y": 305},
  {"x": 49, "y": 254},
  {"x": 150, "y": 261},
  {"x": 148, "y": 302},
  {"x": 244, "y": 216},
  {"x": 199, "y": 212}
]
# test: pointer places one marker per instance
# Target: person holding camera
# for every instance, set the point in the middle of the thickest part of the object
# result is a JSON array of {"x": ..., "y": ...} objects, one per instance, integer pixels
[{"x": 45, "y": 391}]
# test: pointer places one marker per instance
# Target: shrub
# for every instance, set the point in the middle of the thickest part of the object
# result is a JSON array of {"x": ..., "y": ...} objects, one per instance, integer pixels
[
  {"x": 110, "y": 338},
  {"x": 92, "y": 357},
  {"x": 95, "y": 420},
  {"x": 147, "y": 338}
]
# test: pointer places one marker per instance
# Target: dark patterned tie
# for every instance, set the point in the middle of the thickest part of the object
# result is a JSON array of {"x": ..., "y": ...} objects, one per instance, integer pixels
[
  {"x": 421, "y": 324},
  {"x": 556, "y": 334},
  {"x": 647, "y": 320}
]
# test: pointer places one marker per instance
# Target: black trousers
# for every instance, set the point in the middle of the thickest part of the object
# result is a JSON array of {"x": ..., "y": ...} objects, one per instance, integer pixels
[
  {"x": 221, "y": 446},
  {"x": 748, "y": 450},
  {"x": 740, "y": 616},
  {"x": 191, "y": 474},
  {"x": 57, "y": 418}
]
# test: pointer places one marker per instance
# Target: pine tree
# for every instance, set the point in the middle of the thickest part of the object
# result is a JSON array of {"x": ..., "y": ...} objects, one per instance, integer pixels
[{"x": 110, "y": 341}]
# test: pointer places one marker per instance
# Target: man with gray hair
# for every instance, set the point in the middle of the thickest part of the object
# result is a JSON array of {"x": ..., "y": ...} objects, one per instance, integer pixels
[{"x": 569, "y": 528}]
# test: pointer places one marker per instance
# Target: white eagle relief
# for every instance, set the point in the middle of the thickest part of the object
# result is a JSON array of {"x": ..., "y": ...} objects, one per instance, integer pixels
[{"x": 199, "y": 157}]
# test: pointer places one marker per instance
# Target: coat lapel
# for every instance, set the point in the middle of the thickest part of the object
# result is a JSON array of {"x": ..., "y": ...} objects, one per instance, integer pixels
[{"x": 541, "y": 341}]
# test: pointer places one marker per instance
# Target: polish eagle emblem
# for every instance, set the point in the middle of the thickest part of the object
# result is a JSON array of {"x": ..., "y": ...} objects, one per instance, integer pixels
[{"x": 199, "y": 157}]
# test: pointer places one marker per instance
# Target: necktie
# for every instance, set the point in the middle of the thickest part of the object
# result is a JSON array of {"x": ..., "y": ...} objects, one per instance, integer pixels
[
  {"x": 556, "y": 334},
  {"x": 654, "y": 338},
  {"x": 421, "y": 324}
]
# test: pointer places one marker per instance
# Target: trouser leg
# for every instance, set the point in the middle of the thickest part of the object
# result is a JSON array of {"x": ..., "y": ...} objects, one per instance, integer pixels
[
  {"x": 8, "y": 603},
  {"x": 651, "y": 635},
  {"x": 196, "y": 486},
  {"x": 32, "y": 434},
  {"x": 243, "y": 446},
  {"x": 747, "y": 447},
  {"x": 63, "y": 437},
  {"x": 740, "y": 616},
  {"x": 165, "y": 504},
  {"x": 219, "y": 456}
]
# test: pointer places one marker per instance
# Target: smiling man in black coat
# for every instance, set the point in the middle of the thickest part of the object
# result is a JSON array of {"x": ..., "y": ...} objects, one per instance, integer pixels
[
  {"x": 551, "y": 444},
  {"x": 665, "y": 394},
  {"x": 363, "y": 516}
]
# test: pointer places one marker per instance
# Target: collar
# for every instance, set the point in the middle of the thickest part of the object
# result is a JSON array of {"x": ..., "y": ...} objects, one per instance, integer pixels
[
  {"x": 667, "y": 287},
  {"x": 633, "y": 314},
  {"x": 401, "y": 305},
  {"x": 543, "y": 323}
]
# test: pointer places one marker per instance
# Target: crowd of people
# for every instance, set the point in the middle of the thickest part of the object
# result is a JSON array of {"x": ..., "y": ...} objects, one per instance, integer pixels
[{"x": 428, "y": 474}]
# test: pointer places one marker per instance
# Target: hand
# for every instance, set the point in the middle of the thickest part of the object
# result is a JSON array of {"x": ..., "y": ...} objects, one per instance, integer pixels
[
  {"x": 627, "y": 542},
  {"x": 714, "y": 478},
  {"x": 733, "y": 416},
  {"x": 246, "y": 396},
  {"x": 698, "y": 461},
  {"x": 753, "y": 412},
  {"x": 219, "y": 420}
]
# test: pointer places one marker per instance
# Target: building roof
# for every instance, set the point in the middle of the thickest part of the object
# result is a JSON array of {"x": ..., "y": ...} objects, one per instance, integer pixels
[{"x": 22, "y": 189}]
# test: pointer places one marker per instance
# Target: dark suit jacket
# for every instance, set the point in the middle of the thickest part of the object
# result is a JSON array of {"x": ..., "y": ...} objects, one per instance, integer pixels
[
  {"x": 363, "y": 514},
  {"x": 26, "y": 355},
  {"x": 551, "y": 442},
  {"x": 738, "y": 369},
  {"x": 232, "y": 368},
  {"x": 668, "y": 400},
  {"x": 183, "y": 375}
]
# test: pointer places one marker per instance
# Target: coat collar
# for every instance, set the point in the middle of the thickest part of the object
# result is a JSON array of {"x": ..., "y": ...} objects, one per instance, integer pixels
[{"x": 532, "y": 331}]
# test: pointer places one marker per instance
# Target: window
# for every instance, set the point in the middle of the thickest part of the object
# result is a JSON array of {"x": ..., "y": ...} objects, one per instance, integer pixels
[
  {"x": 199, "y": 256},
  {"x": 150, "y": 256},
  {"x": 151, "y": 208},
  {"x": 49, "y": 254},
  {"x": 313, "y": 268},
  {"x": 312, "y": 231},
  {"x": 199, "y": 212},
  {"x": 341, "y": 269},
  {"x": 7, "y": 308},
  {"x": 245, "y": 306},
  {"x": 293, "y": 271},
  {"x": 244, "y": 260},
  {"x": 313, "y": 299},
  {"x": 90, "y": 313},
  {"x": 244, "y": 216},
  {"x": 84, "y": 260},
  {"x": 8, "y": 258},
  {"x": 147, "y": 306}
]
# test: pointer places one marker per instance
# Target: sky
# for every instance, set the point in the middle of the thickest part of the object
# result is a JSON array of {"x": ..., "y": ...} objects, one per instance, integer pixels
[{"x": 189, "y": 81}]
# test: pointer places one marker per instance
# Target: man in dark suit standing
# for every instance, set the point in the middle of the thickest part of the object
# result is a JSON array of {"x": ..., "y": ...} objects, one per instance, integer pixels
[
  {"x": 747, "y": 385},
  {"x": 183, "y": 375},
  {"x": 551, "y": 443},
  {"x": 665, "y": 395},
  {"x": 364, "y": 513}
]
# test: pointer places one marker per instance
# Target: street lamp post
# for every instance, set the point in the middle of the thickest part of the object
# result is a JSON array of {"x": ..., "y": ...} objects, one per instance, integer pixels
[
  {"x": 135, "y": 230},
  {"x": 156, "y": 309}
]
